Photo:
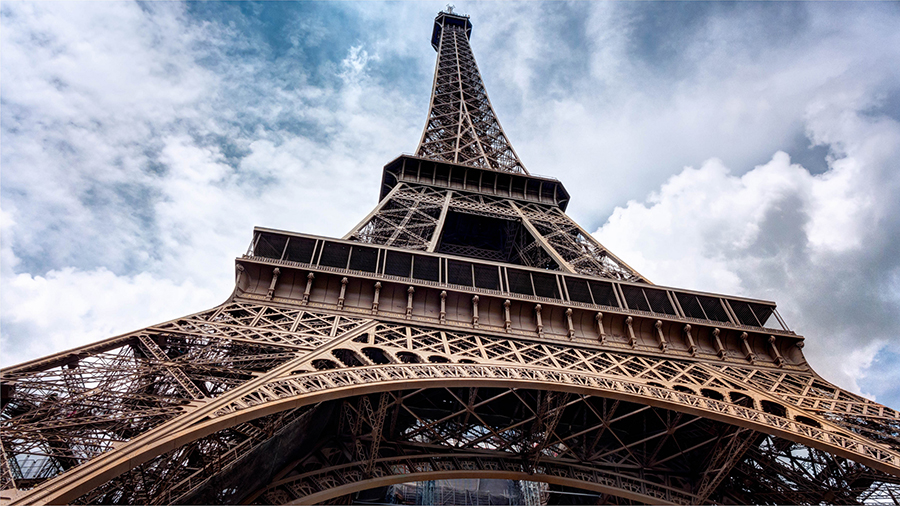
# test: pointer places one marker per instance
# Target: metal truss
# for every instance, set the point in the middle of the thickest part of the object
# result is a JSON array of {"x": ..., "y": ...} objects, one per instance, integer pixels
[
  {"x": 408, "y": 217},
  {"x": 67, "y": 409},
  {"x": 462, "y": 126},
  {"x": 412, "y": 216},
  {"x": 338, "y": 367},
  {"x": 576, "y": 249},
  {"x": 389, "y": 402},
  {"x": 449, "y": 432}
]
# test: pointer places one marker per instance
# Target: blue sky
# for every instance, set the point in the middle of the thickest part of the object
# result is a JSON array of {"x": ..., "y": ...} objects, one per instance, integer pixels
[{"x": 746, "y": 148}]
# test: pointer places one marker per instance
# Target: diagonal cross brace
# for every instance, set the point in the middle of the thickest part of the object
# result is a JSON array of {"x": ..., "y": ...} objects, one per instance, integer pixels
[{"x": 157, "y": 353}]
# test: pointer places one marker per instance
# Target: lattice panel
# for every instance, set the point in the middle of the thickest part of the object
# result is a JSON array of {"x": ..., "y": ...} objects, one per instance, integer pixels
[
  {"x": 811, "y": 393},
  {"x": 483, "y": 205},
  {"x": 462, "y": 126},
  {"x": 580, "y": 250},
  {"x": 262, "y": 323},
  {"x": 458, "y": 346},
  {"x": 59, "y": 416},
  {"x": 638, "y": 451},
  {"x": 408, "y": 218},
  {"x": 176, "y": 475}
]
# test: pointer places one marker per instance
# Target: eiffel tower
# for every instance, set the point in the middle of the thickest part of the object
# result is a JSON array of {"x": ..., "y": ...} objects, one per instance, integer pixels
[{"x": 466, "y": 328}]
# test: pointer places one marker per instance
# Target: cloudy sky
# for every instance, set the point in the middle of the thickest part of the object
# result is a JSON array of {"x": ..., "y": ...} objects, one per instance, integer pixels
[{"x": 747, "y": 148}]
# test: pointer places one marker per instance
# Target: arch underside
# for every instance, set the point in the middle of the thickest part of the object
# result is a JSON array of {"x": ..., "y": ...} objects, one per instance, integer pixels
[
  {"x": 322, "y": 452},
  {"x": 303, "y": 405}
]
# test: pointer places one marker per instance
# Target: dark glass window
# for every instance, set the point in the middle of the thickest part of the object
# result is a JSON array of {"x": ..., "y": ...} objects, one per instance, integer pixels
[
  {"x": 603, "y": 294},
  {"x": 659, "y": 302},
  {"x": 363, "y": 258},
  {"x": 398, "y": 264},
  {"x": 545, "y": 285},
  {"x": 487, "y": 276},
  {"x": 578, "y": 290},
  {"x": 425, "y": 268},
  {"x": 634, "y": 297},
  {"x": 459, "y": 273},
  {"x": 300, "y": 249},
  {"x": 270, "y": 245},
  {"x": 519, "y": 281},
  {"x": 713, "y": 308},
  {"x": 335, "y": 254}
]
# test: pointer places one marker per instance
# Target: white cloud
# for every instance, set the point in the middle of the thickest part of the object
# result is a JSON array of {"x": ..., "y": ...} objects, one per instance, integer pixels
[
  {"x": 809, "y": 242},
  {"x": 70, "y": 307},
  {"x": 120, "y": 205}
]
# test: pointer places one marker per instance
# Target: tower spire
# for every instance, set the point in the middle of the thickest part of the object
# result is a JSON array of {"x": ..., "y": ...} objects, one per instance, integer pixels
[{"x": 462, "y": 126}]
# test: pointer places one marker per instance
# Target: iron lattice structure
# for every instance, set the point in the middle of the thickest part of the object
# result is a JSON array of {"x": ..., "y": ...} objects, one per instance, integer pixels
[
  {"x": 467, "y": 328},
  {"x": 462, "y": 127}
]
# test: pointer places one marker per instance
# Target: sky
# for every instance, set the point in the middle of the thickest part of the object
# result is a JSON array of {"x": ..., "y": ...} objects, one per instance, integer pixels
[{"x": 741, "y": 148}]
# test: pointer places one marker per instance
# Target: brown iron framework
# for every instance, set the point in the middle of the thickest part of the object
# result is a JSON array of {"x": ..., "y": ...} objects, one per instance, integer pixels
[
  {"x": 466, "y": 328},
  {"x": 462, "y": 127}
]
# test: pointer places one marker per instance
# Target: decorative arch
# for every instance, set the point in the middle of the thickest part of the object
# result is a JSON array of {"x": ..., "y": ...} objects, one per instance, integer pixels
[{"x": 268, "y": 397}]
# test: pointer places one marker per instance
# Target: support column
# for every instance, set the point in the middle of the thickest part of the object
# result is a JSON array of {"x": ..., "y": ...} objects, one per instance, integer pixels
[
  {"x": 409, "y": 302},
  {"x": 344, "y": 282},
  {"x": 779, "y": 360},
  {"x": 240, "y": 274},
  {"x": 663, "y": 345},
  {"x": 692, "y": 348},
  {"x": 377, "y": 296},
  {"x": 720, "y": 350},
  {"x": 387, "y": 198},
  {"x": 601, "y": 333},
  {"x": 275, "y": 273},
  {"x": 540, "y": 322},
  {"x": 563, "y": 264},
  {"x": 432, "y": 244},
  {"x": 507, "y": 322},
  {"x": 630, "y": 331},
  {"x": 747, "y": 350},
  {"x": 309, "y": 282}
]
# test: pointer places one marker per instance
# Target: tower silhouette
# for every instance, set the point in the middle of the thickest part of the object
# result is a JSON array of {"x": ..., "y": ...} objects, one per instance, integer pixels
[{"x": 466, "y": 328}]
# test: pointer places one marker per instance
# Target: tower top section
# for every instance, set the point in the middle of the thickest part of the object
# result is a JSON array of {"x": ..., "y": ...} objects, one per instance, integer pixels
[
  {"x": 449, "y": 19},
  {"x": 462, "y": 126}
]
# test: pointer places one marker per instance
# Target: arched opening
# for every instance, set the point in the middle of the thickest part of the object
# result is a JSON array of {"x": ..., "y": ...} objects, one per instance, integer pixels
[
  {"x": 377, "y": 355},
  {"x": 454, "y": 433},
  {"x": 684, "y": 389},
  {"x": 773, "y": 408},
  {"x": 743, "y": 400},
  {"x": 322, "y": 364},
  {"x": 808, "y": 421},
  {"x": 437, "y": 359},
  {"x": 712, "y": 394},
  {"x": 451, "y": 433},
  {"x": 409, "y": 358},
  {"x": 504, "y": 428},
  {"x": 348, "y": 357}
]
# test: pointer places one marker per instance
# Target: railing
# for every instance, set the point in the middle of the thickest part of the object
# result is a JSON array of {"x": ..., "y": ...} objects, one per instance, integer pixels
[{"x": 305, "y": 251}]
